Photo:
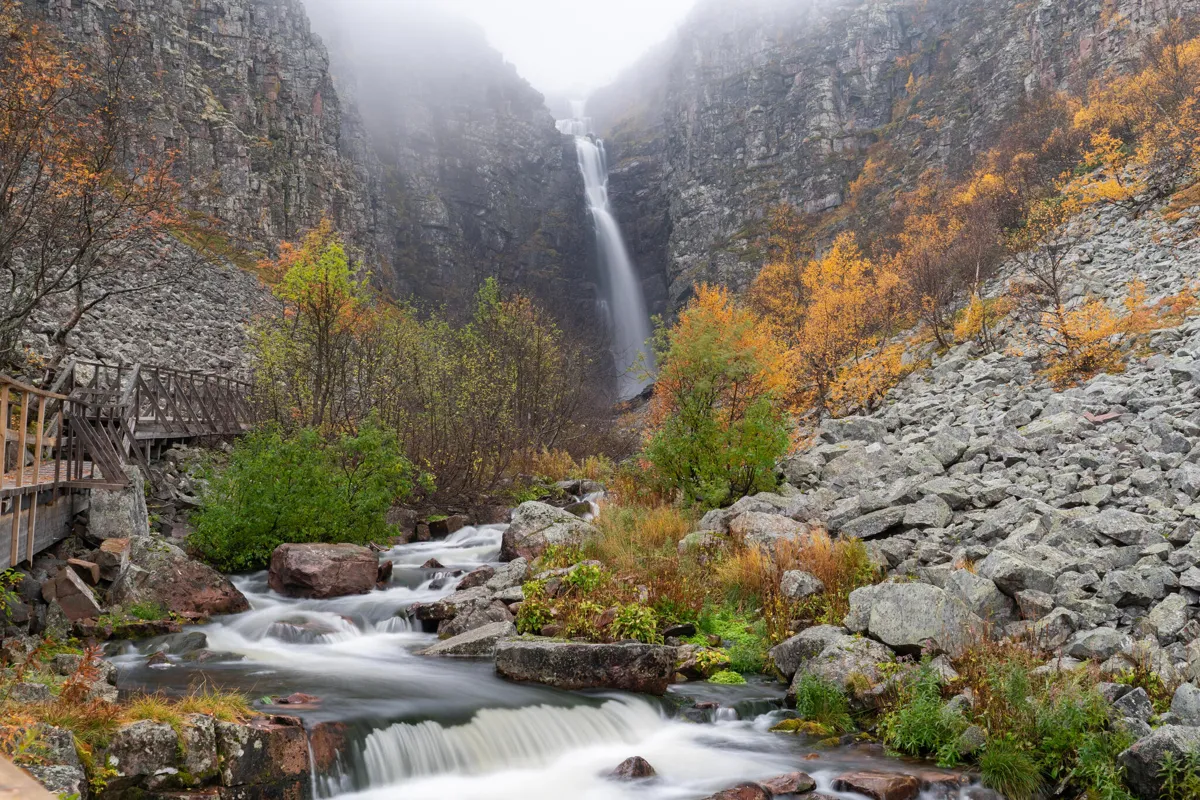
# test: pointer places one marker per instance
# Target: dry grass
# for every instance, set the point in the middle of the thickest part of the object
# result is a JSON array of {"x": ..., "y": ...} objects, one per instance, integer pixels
[{"x": 640, "y": 545}]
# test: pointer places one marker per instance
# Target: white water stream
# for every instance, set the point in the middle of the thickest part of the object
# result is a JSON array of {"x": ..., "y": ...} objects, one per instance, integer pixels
[
  {"x": 423, "y": 727},
  {"x": 624, "y": 303}
]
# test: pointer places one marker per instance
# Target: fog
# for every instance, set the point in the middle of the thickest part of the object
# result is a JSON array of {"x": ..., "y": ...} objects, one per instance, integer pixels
[{"x": 563, "y": 48}]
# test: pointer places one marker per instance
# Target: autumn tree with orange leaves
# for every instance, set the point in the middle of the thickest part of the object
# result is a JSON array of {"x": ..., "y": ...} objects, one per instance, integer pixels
[
  {"x": 717, "y": 426},
  {"x": 80, "y": 220}
]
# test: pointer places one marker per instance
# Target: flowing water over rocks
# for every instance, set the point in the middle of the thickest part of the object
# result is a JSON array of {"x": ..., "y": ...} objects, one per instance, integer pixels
[{"x": 424, "y": 727}]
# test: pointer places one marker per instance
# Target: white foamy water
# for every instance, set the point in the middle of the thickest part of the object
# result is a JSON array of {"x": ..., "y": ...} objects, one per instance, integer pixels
[{"x": 451, "y": 729}]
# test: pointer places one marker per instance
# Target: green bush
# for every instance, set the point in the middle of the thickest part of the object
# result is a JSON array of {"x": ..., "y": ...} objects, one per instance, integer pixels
[
  {"x": 587, "y": 578},
  {"x": 301, "y": 487},
  {"x": 823, "y": 702},
  {"x": 636, "y": 622},
  {"x": 746, "y": 637},
  {"x": 534, "y": 613},
  {"x": 1010, "y": 769},
  {"x": 718, "y": 424},
  {"x": 921, "y": 724},
  {"x": 727, "y": 677}
]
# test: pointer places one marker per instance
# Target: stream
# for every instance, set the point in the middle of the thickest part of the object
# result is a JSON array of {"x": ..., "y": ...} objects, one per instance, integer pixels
[{"x": 424, "y": 727}]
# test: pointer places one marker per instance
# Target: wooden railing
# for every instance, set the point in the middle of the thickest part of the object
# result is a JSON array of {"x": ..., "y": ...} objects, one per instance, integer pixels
[{"x": 30, "y": 449}]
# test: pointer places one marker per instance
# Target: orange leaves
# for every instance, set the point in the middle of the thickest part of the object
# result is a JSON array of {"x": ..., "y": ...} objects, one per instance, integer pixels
[
  {"x": 752, "y": 361},
  {"x": 832, "y": 311},
  {"x": 1145, "y": 126}
]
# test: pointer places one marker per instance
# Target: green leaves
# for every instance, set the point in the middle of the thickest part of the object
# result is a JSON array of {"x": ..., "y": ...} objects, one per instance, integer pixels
[{"x": 301, "y": 488}]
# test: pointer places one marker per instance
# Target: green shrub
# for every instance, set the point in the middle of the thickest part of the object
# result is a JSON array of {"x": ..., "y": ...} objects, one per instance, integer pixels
[
  {"x": 717, "y": 423},
  {"x": 10, "y": 579},
  {"x": 301, "y": 487},
  {"x": 558, "y": 556},
  {"x": 1009, "y": 768},
  {"x": 586, "y": 578},
  {"x": 148, "y": 611},
  {"x": 727, "y": 677},
  {"x": 921, "y": 724},
  {"x": 1180, "y": 777},
  {"x": 638, "y": 622},
  {"x": 534, "y": 613},
  {"x": 746, "y": 637},
  {"x": 823, "y": 702}
]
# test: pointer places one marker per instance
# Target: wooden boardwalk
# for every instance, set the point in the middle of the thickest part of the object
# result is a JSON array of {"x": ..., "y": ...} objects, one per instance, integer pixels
[{"x": 91, "y": 423}]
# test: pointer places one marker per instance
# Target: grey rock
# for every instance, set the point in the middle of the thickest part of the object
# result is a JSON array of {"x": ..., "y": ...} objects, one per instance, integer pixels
[
  {"x": 1098, "y": 644},
  {"x": 1125, "y": 527},
  {"x": 477, "y": 643},
  {"x": 536, "y": 526},
  {"x": 929, "y": 512},
  {"x": 911, "y": 616},
  {"x": 1135, "y": 705},
  {"x": 798, "y": 585},
  {"x": 1013, "y": 573},
  {"x": 981, "y": 596},
  {"x": 1169, "y": 617},
  {"x": 1185, "y": 704},
  {"x": 625, "y": 666},
  {"x": 874, "y": 524}
]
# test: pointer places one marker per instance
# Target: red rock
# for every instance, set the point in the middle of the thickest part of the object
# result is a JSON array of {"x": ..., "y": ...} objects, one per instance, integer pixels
[
  {"x": 87, "y": 570},
  {"x": 74, "y": 596},
  {"x": 322, "y": 570},
  {"x": 113, "y": 558},
  {"x": 743, "y": 791},
  {"x": 792, "y": 783},
  {"x": 262, "y": 752},
  {"x": 476, "y": 577},
  {"x": 162, "y": 574},
  {"x": 632, "y": 769},
  {"x": 298, "y": 699},
  {"x": 879, "y": 785},
  {"x": 432, "y": 563},
  {"x": 441, "y": 528},
  {"x": 384, "y": 575},
  {"x": 328, "y": 740}
]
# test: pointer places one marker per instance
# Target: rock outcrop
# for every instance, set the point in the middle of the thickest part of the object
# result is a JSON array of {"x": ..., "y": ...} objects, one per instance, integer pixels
[
  {"x": 627, "y": 666},
  {"x": 536, "y": 526},
  {"x": 322, "y": 570}
]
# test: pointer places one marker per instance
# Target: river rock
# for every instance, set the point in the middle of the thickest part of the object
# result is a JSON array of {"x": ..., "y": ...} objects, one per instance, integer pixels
[
  {"x": 743, "y": 791},
  {"x": 633, "y": 769},
  {"x": 536, "y": 526},
  {"x": 319, "y": 570},
  {"x": 879, "y": 785},
  {"x": 831, "y": 654},
  {"x": 792, "y": 783},
  {"x": 1142, "y": 761},
  {"x": 911, "y": 616},
  {"x": 477, "y": 577},
  {"x": 264, "y": 752},
  {"x": 477, "y": 643},
  {"x": 142, "y": 754},
  {"x": 472, "y": 616},
  {"x": 626, "y": 666},
  {"x": 159, "y": 573}
]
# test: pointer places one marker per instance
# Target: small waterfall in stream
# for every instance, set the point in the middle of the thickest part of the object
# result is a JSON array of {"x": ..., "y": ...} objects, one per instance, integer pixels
[{"x": 624, "y": 304}]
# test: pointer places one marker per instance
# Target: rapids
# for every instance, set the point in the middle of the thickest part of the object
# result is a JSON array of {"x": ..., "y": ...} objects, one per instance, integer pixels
[{"x": 450, "y": 729}]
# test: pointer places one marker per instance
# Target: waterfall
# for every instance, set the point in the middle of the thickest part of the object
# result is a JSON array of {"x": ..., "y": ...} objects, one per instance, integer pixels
[
  {"x": 502, "y": 738},
  {"x": 624, "y": 305}
]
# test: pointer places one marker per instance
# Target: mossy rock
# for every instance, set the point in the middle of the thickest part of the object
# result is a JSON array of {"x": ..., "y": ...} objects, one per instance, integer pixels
[{"x": 802, "y": 727}]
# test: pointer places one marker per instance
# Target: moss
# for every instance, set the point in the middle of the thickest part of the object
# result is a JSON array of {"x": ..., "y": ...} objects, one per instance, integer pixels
[{"x": 727, "y": 677}]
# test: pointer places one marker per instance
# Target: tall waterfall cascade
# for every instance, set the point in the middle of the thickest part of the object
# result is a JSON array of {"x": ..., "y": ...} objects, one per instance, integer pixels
[{"x": 623, "y": 304}]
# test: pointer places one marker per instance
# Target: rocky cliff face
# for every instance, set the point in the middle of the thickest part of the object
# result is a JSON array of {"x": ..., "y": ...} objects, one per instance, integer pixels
[
  {"x": 779, "y": 103},
  {"x": 240, "y": 92},
  {"x": 439, "y": 163},
  {"x": 476, "y": 179}
]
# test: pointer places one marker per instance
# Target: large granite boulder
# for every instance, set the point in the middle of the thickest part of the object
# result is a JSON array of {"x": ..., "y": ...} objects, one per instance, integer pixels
[
  {"x": 161, "y": 574},
  {"x": 323, "y": 570},
  {"x": 628, "y": 666},
  {"x": 909, "y": 617},
  {"x": 1144, "y": 759},
  {"x": 119, "y": 513},
  {"x": 536, "y": 526}
]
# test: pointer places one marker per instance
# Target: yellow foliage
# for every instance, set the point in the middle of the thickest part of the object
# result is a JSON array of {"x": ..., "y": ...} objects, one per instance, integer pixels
[
  {"x": 1145, "y": 126},
  {"x": 1093, "y": 338},
  {"x": 863, "y": 384},
  {"x": 833, "y": 312}
]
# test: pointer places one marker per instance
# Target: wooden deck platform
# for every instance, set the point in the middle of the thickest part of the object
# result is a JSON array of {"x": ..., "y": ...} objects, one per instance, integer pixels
[{"x": 92, "y": 423}]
